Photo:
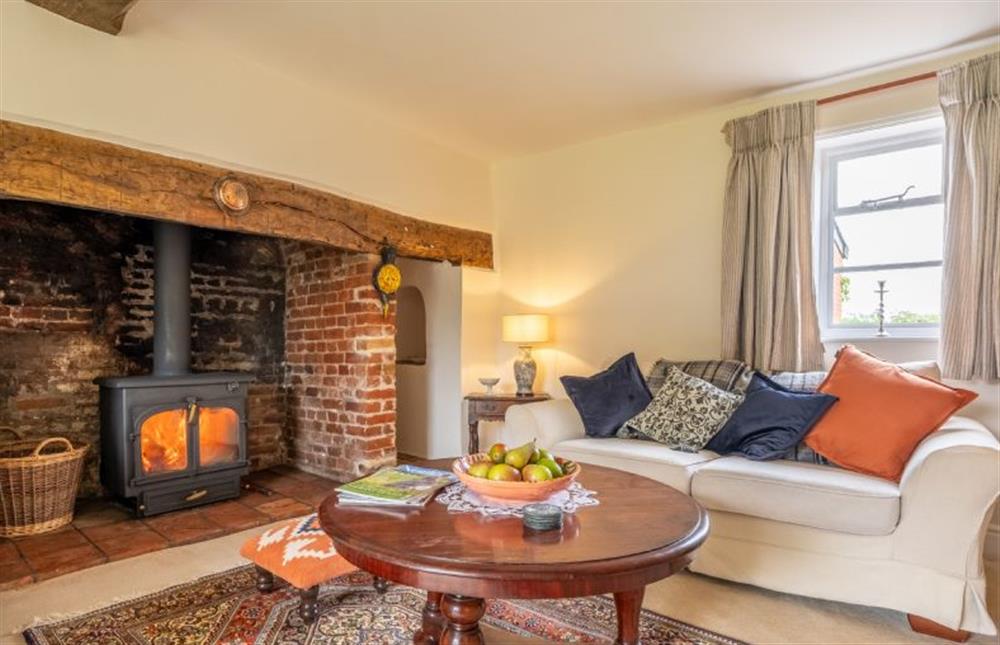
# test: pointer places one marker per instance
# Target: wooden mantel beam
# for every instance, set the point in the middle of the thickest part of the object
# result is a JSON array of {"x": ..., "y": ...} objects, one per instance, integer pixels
[
  {"x": 44, "y": 165},
  {"x": 103, "y": 15}
]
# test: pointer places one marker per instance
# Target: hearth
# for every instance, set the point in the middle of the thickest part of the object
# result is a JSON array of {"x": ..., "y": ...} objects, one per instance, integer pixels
[{"x": 173, "y": 439}]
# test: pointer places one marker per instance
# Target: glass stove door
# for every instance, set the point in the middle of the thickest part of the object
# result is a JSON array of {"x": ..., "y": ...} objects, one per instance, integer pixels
[
  {"x": 163, "y": 439},
  {"x": 218, "y": 436}
]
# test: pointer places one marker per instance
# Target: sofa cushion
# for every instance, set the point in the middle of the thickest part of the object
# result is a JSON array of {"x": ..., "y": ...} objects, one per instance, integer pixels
[
  {"x": 646, "y": 458},
  {"x": 810, "y": 381},
  {"x": 686, "y": 412},
  {"x": 726, "y": 374},
  {"x": 609, "y": 398},
  {"x": 770, "y": 421},
  {"x": 797, "y": 493},
  {"x": 884, "y": 411}
]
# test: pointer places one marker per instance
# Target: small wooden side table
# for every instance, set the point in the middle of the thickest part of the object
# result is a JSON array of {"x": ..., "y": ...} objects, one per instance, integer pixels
[{"x": 493, "y": 407}]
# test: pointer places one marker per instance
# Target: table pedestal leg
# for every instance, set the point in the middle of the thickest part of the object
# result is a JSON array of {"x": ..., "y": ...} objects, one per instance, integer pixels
[
  {"x": 462, "y": 614},
  {"x": 433, "y": 622},
  {"x": 628, "y": 605}
]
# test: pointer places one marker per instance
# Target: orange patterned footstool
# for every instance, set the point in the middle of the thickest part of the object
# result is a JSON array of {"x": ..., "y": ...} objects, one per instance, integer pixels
[{"x": 300, "y": 553}]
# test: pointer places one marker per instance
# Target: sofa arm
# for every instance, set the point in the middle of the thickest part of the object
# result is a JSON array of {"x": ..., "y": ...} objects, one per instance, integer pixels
[
  {"x": 947, "y": 491},
  {"x": 549, "y": 422}
]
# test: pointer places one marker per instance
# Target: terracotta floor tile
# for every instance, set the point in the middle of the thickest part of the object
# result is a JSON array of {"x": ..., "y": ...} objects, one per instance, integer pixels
[
  {"x": 104, "y": 532},
  {"x": 135, "y": 541},
  {"x": 312, "y": 493},
  {"x": 183, "y": 527},
  {"x": 59, "y": 562},
  {"x": 8, "y": 552},
  {"x": 14, "y": 573},
  {"x": 36, "y": 546},
  {"x": 284, "y": 508},
  {"x": 235, "y": 516},
  {"x": 291, "y": 471},
  {"x": 254, "y": 499},
  {"x": 283, "y": 485},
  {"x": 99, "y": 511}
]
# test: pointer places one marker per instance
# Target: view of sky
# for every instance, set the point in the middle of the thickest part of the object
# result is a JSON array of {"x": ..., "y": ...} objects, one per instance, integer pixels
[{"x": 888, "y": 235}]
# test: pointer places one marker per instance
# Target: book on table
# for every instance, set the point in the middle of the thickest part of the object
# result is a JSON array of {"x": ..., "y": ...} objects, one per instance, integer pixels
[{"x": 404, "y": 485}]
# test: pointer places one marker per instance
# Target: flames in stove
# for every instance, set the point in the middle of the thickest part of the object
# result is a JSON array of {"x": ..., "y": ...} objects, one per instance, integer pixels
[{"x": 164, "y": 438}]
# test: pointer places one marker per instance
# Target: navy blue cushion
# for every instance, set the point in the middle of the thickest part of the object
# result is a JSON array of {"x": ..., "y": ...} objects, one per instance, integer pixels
[
  {"x": 608, "y": 399},
  {"x": 770, "y": 421}
]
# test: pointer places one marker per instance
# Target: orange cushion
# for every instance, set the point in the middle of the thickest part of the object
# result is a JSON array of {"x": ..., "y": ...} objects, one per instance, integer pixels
[
  {"x": 298, "y": 552},
  {"x": 882, "y": 414}
]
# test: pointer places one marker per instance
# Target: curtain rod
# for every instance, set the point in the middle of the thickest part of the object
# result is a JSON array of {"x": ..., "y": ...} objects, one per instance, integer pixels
[{"x": 877, "y": 88}]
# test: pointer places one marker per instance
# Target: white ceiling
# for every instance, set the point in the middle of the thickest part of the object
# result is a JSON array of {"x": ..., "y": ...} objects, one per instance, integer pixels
[{"x": 507, "y": 78}]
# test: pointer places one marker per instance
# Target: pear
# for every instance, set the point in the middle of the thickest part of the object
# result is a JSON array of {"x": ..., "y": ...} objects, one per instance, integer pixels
[
  {"x": 521, "y": 456},
  {"x": 552, "y": 466},
  {"x": 480, "y": 469},
  {"x": 544, "y": 454},
  {"x": 536, "y": 473},
  {"x": 497, "y": 452},
  {"x": 503, "y": 473}
]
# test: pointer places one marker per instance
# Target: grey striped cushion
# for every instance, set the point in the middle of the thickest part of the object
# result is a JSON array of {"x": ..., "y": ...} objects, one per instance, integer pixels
[
  {"x": 728, "y": 375},
  {"x": 799, "y": 381}
]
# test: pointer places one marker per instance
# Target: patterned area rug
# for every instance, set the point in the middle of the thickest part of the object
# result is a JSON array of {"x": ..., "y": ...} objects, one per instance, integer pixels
[{"x": 226, "y": 608}]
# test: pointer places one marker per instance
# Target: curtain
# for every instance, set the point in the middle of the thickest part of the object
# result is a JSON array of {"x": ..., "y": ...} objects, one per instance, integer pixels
[
  {"x": 970, "y": 298},
  {"x": 769, "y": 315}
]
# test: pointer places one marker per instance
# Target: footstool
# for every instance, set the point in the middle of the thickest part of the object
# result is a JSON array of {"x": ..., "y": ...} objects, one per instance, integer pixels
[{"x": 301, "y": 554}]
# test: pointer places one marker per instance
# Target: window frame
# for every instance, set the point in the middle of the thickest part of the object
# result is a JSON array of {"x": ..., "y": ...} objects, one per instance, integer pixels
[{"x": 830, "y": 154}]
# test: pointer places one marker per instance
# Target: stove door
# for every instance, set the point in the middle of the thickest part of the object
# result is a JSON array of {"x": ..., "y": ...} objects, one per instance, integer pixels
[
  {"x": 218, "y": 436},
  {"x": 163, "y": 442}
]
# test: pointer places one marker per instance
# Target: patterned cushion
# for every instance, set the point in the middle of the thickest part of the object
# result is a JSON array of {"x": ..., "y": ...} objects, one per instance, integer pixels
[
  {"x": 799, "y": 381},
  {"x": 728, "y": 375},
  {"x": 686, "y": 412},
  {"x": 810, "y": 381},
  {"x": 298, "y": 552}
]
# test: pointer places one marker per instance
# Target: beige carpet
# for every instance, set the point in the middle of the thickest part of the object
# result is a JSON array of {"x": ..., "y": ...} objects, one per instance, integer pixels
[{"x": 740, "y": 611}]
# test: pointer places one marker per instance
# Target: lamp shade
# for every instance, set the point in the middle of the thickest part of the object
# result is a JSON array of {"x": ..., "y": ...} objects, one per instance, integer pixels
[{"x": 526, "y": 328}]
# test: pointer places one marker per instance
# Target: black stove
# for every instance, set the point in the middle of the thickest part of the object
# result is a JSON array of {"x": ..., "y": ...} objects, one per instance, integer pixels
[{"x": 173, "y": 439}]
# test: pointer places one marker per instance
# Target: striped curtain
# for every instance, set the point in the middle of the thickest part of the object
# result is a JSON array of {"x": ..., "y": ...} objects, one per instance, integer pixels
[
  {"x": 970, "y": 298},
  {"x": 769, "y": 315}
]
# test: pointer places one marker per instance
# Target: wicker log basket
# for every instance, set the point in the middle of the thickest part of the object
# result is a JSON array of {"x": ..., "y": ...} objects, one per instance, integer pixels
[{"x": 38, "y": 488}]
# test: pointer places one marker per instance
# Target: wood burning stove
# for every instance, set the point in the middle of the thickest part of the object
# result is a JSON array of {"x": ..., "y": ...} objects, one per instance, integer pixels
[{"x": 173, "y": 439}]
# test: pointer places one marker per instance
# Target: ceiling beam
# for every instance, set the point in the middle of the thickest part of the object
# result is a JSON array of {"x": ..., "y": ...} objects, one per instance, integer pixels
[
  {"x": 44, "y": 165},
  {"x": 103, "y": 15}
]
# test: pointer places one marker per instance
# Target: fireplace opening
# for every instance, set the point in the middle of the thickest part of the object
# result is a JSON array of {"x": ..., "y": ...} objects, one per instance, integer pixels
[{"x": 288, "y": 360}]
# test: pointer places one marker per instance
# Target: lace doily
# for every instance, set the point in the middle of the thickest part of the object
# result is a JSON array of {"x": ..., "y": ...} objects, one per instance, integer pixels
[{"x": 460, "y": 499}]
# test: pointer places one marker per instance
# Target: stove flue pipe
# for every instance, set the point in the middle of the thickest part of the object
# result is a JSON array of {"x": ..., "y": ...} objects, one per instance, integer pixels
[{"x": 171, "y": 299}]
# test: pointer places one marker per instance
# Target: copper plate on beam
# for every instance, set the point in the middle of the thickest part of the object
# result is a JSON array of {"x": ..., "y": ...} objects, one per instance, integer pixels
[{"x": 231, "y": 195}]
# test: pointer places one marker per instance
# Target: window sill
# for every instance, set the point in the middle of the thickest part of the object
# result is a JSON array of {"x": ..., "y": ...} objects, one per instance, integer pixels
[{"x": 926, "y": 337}]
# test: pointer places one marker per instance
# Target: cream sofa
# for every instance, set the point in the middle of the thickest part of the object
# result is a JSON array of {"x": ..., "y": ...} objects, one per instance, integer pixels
[{"x": 821, "y": 531}]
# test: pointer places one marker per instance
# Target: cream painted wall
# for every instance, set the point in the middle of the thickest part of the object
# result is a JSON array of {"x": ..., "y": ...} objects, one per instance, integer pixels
[
  {"x": 428, "y": 396},
  {"x": 620, "y": 238},
  {"x": 144, "y": 89}
]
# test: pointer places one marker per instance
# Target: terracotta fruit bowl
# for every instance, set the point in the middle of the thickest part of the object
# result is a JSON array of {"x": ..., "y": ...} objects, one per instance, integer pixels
[{"x": 508, "y": 491}]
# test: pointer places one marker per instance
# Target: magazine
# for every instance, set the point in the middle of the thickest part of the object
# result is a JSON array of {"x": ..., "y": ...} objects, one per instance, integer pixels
[{"x": 405, "y": 485}]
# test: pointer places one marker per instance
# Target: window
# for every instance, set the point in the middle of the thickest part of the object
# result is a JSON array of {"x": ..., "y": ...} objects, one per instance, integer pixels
[{"x": 881, "y": 228}]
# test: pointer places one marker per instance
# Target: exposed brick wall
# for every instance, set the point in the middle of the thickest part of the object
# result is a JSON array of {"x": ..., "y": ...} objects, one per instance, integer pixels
[
  {"x": 76, "y": 296},
  {"x": 340, "y": 363}
]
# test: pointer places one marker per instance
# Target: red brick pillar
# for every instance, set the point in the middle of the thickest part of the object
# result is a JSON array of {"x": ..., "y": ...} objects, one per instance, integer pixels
[{"x": 340, "y": 363}]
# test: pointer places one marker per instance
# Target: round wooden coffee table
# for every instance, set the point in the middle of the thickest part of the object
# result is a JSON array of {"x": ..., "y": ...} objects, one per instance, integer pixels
[{"x": 641, "y": 532}]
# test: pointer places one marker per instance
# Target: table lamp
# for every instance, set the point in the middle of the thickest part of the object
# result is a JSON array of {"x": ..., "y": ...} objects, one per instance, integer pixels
[{"x": 525, "y": 329}]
